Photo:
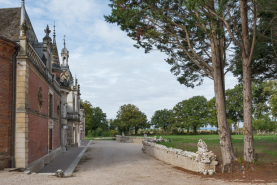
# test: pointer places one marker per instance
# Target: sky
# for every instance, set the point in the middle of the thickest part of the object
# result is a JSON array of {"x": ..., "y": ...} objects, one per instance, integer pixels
[{"x": 110, "y": 71}]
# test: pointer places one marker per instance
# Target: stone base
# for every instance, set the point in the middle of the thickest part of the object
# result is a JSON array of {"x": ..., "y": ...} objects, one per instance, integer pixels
[{"x": 37, "y": 165}]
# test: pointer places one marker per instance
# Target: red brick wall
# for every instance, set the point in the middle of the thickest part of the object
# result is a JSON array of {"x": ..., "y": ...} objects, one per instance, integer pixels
[
  {"x": 34, "y": 83},
  {"x": 38, "y": 124},
  {"x": 38, "y": 137},
  {"x": 6, "y": 52}
]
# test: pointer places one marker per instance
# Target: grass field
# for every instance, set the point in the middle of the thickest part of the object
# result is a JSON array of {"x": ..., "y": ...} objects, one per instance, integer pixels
[{"x": 265, "y": 146}]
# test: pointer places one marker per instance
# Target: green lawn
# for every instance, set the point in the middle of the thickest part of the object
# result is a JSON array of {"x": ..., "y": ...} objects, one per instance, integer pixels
[{"x": 265, "y": 146}]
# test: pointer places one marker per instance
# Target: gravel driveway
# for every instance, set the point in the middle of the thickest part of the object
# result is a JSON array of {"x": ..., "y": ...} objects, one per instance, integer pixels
[{"x": 111, "y": 162}]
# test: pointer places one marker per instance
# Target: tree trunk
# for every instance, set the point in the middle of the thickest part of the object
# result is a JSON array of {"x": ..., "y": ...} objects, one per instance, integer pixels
[
  {"x": 187, "y": 130},
  {"x": 194, "y": 130},
  {"x": 249, "y": 151},
  {"x": 228, "y": 154}
]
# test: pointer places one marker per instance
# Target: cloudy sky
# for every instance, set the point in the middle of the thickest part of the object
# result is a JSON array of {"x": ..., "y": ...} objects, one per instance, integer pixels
[{"x": 110, "y": 70}]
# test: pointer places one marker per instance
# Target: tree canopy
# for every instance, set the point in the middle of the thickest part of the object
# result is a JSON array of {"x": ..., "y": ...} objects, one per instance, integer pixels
[
  {"x": 130, "y": 117},
  {"x": 95, "y": 117},
  {"x": 162, "y": 119}
]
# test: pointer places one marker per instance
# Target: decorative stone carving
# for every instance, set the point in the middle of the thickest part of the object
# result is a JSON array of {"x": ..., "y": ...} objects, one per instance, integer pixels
[
  {"x": 59, "y": 173},
  {"x": 47, "y": 31},
  {"x": 40, "y": 98},
  {"x": 202, "y": 146},
  {"x": 145, "y": 137},
  {"x": 203, "y": 155},
  {"x": 24, "y": 28}
]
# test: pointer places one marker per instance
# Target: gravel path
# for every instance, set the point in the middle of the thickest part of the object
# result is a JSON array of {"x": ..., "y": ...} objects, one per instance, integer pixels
[{"x": 111, "y": 162}]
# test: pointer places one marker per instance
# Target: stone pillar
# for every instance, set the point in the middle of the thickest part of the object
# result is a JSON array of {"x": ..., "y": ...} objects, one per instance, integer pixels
[
  {"x": 21, "y": 127},
  {"x": 123, "y": 134}
]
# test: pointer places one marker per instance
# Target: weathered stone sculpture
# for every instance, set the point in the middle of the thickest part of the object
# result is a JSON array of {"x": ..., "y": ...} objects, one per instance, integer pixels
[
  {"x": 203, "y": 155},
  {"x": 59, "y": 173}
]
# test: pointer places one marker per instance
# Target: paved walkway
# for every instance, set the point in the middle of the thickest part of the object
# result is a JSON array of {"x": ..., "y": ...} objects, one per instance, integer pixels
[
  {"x": 114, "y": 163},
  {"x": 64, "y": 160}
]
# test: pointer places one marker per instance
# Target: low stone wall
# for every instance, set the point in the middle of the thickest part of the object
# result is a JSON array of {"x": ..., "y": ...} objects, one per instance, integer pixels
[{"x": 201, "y": 161}]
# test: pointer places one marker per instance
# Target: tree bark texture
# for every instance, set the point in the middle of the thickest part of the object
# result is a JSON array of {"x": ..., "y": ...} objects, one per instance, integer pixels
[
  {"x": 249, "y": 151},
  {"x": 228, "y": 154}
]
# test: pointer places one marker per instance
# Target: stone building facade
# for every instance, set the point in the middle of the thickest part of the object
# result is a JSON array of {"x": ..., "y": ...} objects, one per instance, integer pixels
[{"x": 35, "y": 103}]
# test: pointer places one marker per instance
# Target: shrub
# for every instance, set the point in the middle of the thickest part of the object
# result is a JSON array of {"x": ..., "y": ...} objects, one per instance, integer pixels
[
  {"x": 113, "y": 133},
  {"x": 99, "y": 131}
]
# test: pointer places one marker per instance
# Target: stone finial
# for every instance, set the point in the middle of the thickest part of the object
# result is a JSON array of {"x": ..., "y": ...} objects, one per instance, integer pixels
[
  {"x": 202, "y": 146},
  {"x": 145, "y": 137},
  {"x": 64, "y": 40},
  {"x": 24, "y": 28},
  {"x": 47, "y": 31}
]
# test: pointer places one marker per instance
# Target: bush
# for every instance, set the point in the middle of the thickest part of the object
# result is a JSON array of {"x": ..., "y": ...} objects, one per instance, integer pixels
[
  {"x": 89, "y": 134},
  {"x": 113, "y": 133},
  {"x": 99, "y": 131},
  {"x": 264, "y": 124}
]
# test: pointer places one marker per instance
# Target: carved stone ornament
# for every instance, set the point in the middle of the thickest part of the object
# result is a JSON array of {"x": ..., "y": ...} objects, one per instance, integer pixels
[
  {"x": 47, "y": 31},
  {"x": 24, "y": 28},
  {"x": 40, "y": 97}
]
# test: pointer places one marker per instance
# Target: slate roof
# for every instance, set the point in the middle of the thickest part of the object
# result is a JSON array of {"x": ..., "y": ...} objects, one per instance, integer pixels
[
  {"x": 55, "y": 57},
  {"x": 10, "y": 23}
]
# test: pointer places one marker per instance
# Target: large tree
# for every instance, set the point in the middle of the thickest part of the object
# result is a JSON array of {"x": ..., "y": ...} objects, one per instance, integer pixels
[
  {"x": 180, "y": 116},
  {"x": 193, "y": 35},
  {"x": 95, "y": 117},
  {"x": 196, "y": 110},
  {"x": 88, "y": 112},
  {"x": 162, "y": 119},
  {"x": 130, "y": 117}
]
